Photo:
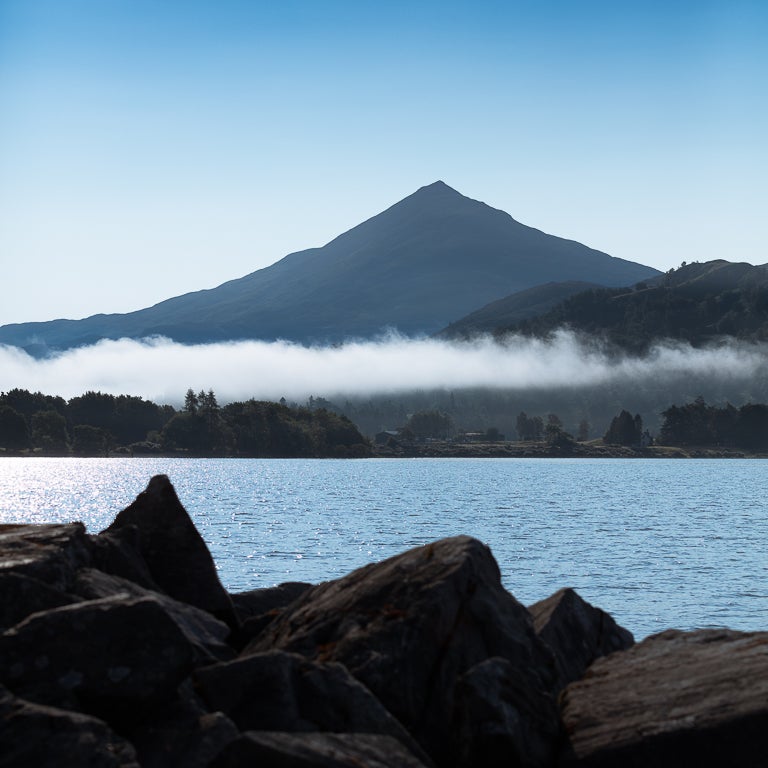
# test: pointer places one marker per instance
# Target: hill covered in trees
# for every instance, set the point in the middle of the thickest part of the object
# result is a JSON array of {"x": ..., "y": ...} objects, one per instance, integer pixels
[
  {"x": 697, "y": 303},
  {"x": 99, "y": 424}
]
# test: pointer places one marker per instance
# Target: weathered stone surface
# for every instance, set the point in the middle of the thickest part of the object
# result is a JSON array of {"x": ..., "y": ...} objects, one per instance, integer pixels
[
  {"x": 119, "y": 553},
  {"x": 278, "y": 691},
  {"x": 202, "y": 630},
  {"x": 315, "y": 750},
  {"x": 176, "y": 555},
  {"x": 182, "y": 734},
  {"x": 502, "y": 719},
  {"x": 577, "y": 632},
  {"x": 34, "y": 736},
  {"x": 24, "y": 595},
  {"x": 49, "y": 553},
  {"x": 675, "y": 699},
  {"x": 112, "y": 657},
  {"x": 410, "y": 626},
  {"x": 256, "y": 602}
]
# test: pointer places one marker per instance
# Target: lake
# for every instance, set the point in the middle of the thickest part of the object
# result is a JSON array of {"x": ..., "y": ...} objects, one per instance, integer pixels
[{"x": 657, "y": 543}]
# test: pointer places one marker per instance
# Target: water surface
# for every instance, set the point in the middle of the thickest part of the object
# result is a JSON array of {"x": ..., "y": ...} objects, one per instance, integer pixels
[{"x": 657, "y": 543}]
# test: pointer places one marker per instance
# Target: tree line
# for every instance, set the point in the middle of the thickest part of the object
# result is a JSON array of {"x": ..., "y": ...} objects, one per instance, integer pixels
[{"x": 100, "y": 424}]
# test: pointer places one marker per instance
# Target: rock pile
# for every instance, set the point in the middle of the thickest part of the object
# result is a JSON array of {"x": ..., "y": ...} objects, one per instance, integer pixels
[{"x": 123, "y": 649}]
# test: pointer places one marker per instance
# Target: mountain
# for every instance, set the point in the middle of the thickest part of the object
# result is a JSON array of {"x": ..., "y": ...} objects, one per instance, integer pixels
[
  {"x": 434, "y": 256},
  {"x": 513, "y": 309},
  {"x": 697, "y": 303}
]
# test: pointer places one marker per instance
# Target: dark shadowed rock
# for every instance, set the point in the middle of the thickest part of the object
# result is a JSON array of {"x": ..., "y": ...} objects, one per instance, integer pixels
[
  {"x": 577, "y": 632},
  {"x": 315, "y": 750},
  {"x": 119, "y": 553},
  {"x": 409, "y": 627},
  {"x": 34, "y": 736},
  {"x": 206, "y": 633},
  {"x": 502, "y": 718},
  {"x": 183, "y": 734},
  {"x": 256, "y": 602},
  {"x": 675, "y": 699},
  {"x": 24, "y": 595},
  {"x": 278, "y": 691},
  {"x": 113, "y": 657},
  {"x": 49, "y": 553},
  {"x": 176, "y": 555}
]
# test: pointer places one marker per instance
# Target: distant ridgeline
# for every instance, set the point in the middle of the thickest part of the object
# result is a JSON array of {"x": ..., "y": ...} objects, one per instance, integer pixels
[
  {"x": 98, "y": 424},
  {"x": 697, "y": 303}
]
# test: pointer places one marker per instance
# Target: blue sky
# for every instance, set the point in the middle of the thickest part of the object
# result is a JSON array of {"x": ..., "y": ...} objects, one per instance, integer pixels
[{"x": 149, "y": 148}]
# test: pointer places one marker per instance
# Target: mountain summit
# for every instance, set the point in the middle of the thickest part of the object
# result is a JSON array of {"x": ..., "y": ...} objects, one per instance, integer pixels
[{"x": 431, "y": 258}]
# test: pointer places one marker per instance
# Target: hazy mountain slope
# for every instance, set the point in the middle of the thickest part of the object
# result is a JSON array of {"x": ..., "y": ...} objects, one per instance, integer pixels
[
  {"x": 513, "y": 309},
  {"x": 434, "y": 256},
  {"x": 695, "y": 303}
]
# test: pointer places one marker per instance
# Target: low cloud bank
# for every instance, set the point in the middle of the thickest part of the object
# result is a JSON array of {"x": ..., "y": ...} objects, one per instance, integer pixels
[{"x": 162, "y": 370}]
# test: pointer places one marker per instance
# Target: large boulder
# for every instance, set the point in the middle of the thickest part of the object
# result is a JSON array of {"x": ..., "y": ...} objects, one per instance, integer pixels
[
  {"x": 24, "y": 595},
  {"x": 45, "y": 737},
  {"x": 116, "y": 657},
  {"x": 675, "y": 699},
  {"x": 278, "y": 691},
  {"x": 182, "y": 734},
  {"x": 48, "y": 553},
  {"x": 411, "y": 626},
  {"x": 503, "y": 718},
  {"x": 576, "y": 632},
  {"x": 256, "y": 602},
  {"x": 175, "y": 554},
  {"x": 315, "y": 750}
]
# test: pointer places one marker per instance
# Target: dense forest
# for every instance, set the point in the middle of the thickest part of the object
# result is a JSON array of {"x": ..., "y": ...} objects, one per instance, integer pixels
[{"x": 99, "y": 424}]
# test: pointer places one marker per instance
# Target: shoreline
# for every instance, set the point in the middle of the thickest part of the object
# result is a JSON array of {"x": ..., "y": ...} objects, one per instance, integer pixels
[{"x": 450, "y": 450}]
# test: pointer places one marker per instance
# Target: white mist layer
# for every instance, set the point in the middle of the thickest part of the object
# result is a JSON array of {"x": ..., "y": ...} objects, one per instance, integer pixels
[{"x": 162, "y": 370}]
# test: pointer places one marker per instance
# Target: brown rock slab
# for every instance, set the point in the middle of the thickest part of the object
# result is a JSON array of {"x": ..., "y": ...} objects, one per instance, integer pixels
[
  {"x": 409, "y": 627},
  {"x": 676, "y": 699},
  {"x": 175, "y": 554},
  {"x": 576, "y": 632}
]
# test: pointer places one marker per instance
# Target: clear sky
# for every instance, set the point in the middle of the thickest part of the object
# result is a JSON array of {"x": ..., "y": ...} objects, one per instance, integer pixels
[{"x": 153, "y": 147}]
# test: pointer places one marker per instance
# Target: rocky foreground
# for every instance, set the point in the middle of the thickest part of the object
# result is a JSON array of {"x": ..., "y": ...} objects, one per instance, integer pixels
[{"x": 123, "y": 649}]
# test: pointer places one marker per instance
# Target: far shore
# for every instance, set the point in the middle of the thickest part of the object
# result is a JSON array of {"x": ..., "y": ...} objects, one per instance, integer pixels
[{"x": 594, "y": 449}]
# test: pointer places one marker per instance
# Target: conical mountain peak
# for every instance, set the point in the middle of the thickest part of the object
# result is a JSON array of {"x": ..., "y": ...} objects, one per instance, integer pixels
[{"x": 431, "y": 258}]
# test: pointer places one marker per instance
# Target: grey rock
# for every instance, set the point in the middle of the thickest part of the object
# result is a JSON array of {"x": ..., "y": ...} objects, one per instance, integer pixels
[
  {"x": 24, "y": 595},
  {"x": 502, "y": 719},
  {"x": 409, "y": 627},
  {"x": 278, "y": 691},
  {"x": 256, "y": 602},
  {"x": 182, "y": 734},
  {"x": 175, "y": 554},
  {"x": 205, "y": 632},
  {"x": 577, "y": 632},
  {"x": 48, "y": 553},
  {"x": 115, "y": 658},
  {"x": 315, "y": 750},
  {"x": 118, "y": 552},
  {"x": 676, "y": 699},
  {"x": 35, "y": 736}
]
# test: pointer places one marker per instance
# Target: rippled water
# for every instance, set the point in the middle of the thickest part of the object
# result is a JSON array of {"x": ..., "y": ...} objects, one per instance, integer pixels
[{"x": 657, "y": 543}]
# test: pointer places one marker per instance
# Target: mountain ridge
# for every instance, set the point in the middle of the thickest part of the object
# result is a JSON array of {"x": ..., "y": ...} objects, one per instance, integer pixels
[{"x": 433, "y": 256}]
